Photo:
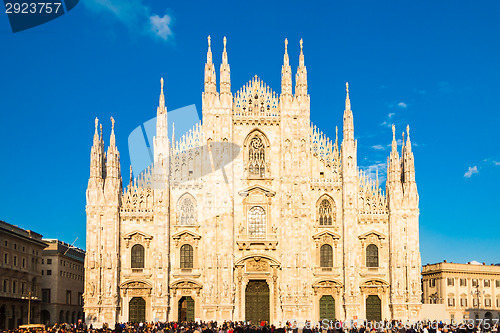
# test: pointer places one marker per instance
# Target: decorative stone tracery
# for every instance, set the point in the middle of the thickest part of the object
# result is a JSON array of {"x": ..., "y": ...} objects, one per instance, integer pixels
[
  {"x": 327, "y": 287},
  {"x": 137, "y": 237},
  {"x": 135, "y": 288}
]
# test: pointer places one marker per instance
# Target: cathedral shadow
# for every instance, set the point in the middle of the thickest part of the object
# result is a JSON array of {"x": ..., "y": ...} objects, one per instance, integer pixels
[{"x": 185, "y": 165}]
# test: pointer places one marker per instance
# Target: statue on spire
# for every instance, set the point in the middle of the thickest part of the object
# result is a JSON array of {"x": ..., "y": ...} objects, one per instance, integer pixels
[{"x": 112, "y": 124}]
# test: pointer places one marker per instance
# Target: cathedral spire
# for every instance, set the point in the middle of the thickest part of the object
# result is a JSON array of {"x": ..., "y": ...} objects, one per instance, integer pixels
[
  {"x": 97, "y": 155},
  {"x": 113, "y": 183},
  {"x": 225, "y": 77},
  {"x": 112, "y": 156},
  {"x": 394, "y": 163},
  {"x": 160, "y": 141},
  {"x": 210, "y": 78},
  {"x": 161, "y": 105},
  {"x": 112, "y": 139},
  {"x": 301, "y": 76},
  {"x": 348, "y": 117},
  {"x": 96, "y": 133},
  {"x": 286, "y": 74},
  {"x": 409, "y": 165},
  {"x": 301, "y": 56},
  {"x": 209, "y": 52}
]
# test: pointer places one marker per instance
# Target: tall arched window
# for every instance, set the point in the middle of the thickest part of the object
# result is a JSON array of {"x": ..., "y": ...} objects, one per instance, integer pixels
[
  {"x": 137, "y": 256},
  {"x": 187, "y": 211},
  {"x": 372, "y": 255},
  {"x": 186, "y": 256},
  {"x": 257, "y": 222},
  {"x": 256, "y": 158},
  {"x": 325, "y": 213},
  {"x": 326, "y": 256}
]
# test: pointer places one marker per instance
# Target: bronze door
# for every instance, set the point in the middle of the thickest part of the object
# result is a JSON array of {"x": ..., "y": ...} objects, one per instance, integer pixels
[
  {"x": 373, "y": 308},
  {"x": 186, "y": 309},
  {"x": 327, "y": 308},
  {"x": 137, "y": 310},
  {"x": 257, "y": 301}
]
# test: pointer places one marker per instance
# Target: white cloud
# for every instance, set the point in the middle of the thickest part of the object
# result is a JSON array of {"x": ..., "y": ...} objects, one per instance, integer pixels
[
  {"x": 402, "y": 105},
  {"x": 496, "y": 162},
  {"x": 135, "y": 15},
  {"x": 445, "y": 87},
  {"x": 371, "y": 171},
  {"x": 161, "y": 26},
  {"x": 390, "y": 115},
  {"x": 471, "y": 171},
  {"x": 378, "y": 147}
]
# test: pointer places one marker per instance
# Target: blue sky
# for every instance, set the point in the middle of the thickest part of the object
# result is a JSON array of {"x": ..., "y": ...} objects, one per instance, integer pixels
[{"x": 431, "y": 64}]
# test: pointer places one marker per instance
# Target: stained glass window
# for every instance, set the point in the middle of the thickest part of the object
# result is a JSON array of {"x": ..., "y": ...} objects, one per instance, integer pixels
[
  {"x": 137, "y": 256},
  {"x": 186, "y": 256},
  {"x": 372, "y": 255},
  {"x": 325, "y": 213},
  {"x": 326, "y": 255},
  {"x": 256, "y": 158},
  {"x": 187, "y": 211},
  {"x": 257, "y": 222}
]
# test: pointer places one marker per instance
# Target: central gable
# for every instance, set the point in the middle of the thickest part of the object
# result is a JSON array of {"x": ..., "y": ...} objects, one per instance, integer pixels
[{"x": 256, "y": 99}]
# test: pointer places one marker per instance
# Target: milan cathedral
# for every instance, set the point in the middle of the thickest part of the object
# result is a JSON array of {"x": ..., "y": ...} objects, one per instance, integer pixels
[{"x": 254, "y": 214}]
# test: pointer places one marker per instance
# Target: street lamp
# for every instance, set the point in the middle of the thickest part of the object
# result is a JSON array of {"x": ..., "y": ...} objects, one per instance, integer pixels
[
  {"x": 478, "y": 294},
  {"x": 29, "y": 298}
]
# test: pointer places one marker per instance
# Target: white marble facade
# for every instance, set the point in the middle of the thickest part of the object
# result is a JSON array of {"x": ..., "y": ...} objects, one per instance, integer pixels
[{"x": 254, "y": 211}]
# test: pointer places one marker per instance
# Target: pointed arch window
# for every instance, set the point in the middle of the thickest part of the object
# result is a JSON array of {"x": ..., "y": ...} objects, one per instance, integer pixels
[
  {"x": 186, "y": 256},
  {"x": 137, "y": 256},
  {"x": 372, "y": 255},
  {"x": 326, "y": 214},
  {"x": 326, "y": 255},
  {"x": 257, "y": 222},
  {"x": 187, "y": 211},
  {"x": 256, "y": 158}
]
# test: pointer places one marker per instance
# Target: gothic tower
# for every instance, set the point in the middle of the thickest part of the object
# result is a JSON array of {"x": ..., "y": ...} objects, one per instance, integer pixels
[
  {"x": 103, "y": 231},
  {"x": 351, "y": 249}
]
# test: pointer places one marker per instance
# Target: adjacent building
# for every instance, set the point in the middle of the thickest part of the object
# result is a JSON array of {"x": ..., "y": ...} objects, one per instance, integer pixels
[
  {"x": 254, "y": 214},
  {"x": 20, "y": 276},
  {"x": 469, "y": 291},
  {"x": 62, "y": 283}
]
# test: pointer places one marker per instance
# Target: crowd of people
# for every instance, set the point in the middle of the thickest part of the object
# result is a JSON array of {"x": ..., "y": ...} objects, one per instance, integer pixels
[{"x": 263, "y": 327}]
